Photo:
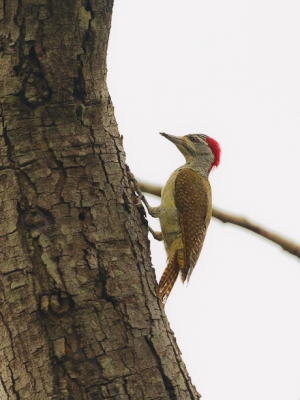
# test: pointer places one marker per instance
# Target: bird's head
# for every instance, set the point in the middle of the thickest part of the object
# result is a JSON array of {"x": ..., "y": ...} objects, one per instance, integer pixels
[{"x": 198, "y": 149}]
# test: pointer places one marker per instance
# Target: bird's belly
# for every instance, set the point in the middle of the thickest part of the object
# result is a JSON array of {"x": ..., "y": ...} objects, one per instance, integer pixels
[{"x": 169, "y": 221}]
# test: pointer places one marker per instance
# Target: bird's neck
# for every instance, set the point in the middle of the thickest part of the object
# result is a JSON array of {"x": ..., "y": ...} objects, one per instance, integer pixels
[{"x": 202, "y": 166}]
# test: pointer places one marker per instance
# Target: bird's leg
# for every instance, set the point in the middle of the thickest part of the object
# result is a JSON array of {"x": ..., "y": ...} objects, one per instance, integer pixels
[
  {"x": 153, "y": 211},
  {"x": 157, "y": 235}
]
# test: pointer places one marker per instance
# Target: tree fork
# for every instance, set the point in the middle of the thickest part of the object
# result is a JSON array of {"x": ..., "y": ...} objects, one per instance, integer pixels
[{"x": 79, "y": 316}]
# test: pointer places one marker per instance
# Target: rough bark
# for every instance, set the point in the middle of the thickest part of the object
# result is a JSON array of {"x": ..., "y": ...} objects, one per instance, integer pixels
[{"x": 79, "y": 315}]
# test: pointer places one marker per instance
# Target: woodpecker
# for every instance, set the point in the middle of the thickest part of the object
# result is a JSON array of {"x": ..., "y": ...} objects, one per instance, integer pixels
[{"x": 186, "y": 208}]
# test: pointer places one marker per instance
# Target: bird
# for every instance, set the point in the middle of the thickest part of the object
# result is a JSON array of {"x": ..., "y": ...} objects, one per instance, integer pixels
[{"x": 186, "y": 208}]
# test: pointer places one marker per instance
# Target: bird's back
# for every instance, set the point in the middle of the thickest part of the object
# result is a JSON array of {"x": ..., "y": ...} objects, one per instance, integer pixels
[
  {"x": 193, "y": 201},
  {"x": 185, "y": 213}
]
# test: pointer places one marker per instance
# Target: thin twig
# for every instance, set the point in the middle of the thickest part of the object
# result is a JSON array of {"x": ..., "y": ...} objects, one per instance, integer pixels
[{"x": 286, "y": 244}]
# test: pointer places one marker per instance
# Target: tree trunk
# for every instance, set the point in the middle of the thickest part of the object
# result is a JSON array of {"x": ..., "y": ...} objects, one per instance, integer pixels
[{"x": 79, "y": 315}]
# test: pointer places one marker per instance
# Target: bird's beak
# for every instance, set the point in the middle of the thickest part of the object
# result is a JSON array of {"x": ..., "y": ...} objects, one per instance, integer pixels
[
  {"x": 177, "y": 140},
  {"x": 181, "y": 142}
]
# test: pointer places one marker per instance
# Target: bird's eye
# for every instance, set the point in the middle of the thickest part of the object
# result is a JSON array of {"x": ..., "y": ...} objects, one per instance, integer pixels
[{"x": 193, "y": 139}]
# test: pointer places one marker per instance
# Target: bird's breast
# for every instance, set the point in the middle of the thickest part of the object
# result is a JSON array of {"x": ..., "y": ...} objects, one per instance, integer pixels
[{"x": 169, "y": 220}]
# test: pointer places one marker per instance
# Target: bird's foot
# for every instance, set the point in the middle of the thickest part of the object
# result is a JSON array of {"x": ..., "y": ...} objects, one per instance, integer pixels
[{"x": 157, "y": 235}]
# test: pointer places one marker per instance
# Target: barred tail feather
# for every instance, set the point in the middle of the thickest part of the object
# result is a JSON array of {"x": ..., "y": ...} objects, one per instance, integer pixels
[{"x": 168, "y": 278}]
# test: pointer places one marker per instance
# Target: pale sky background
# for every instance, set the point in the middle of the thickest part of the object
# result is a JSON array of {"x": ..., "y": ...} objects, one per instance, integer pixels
[{"x": 229, "y": 69}]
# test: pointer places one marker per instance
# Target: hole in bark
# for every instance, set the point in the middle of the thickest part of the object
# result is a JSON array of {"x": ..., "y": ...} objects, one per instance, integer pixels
[
  {"x": 79, "y": 92},
  {"x": 88, "y": 6},
  {"x": 16, "y": 69},
  {"x": 32, "y": 56},
  {"x": 81, "y": 216}
]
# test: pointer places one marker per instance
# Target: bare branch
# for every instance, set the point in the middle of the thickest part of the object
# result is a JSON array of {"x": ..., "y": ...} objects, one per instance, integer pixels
[{"x": 224, "y": 217}]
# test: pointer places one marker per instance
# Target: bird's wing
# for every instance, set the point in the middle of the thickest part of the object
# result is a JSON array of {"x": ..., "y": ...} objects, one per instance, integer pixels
[{"x": 194, "y": 203}]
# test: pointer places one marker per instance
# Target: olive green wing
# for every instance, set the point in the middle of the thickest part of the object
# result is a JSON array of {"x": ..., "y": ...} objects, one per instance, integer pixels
[{"x": 194, "y": 203}]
